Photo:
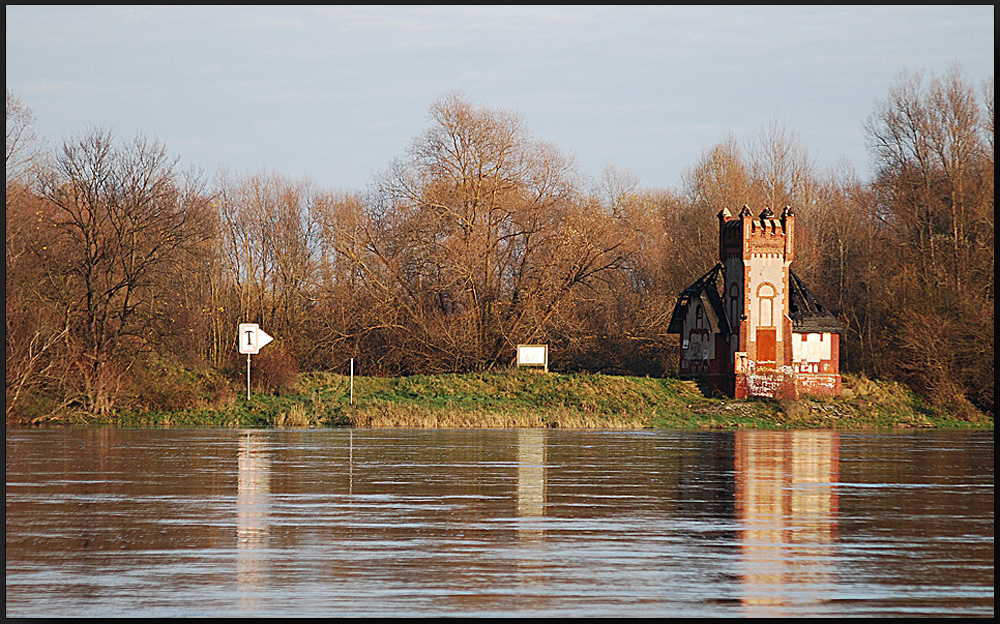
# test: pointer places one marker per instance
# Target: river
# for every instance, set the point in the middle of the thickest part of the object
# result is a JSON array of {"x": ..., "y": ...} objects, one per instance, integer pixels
[{"x": 524, "y": 523}]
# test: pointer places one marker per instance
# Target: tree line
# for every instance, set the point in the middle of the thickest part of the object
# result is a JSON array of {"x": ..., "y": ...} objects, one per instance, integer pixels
[{"x": 126, "y": 275}]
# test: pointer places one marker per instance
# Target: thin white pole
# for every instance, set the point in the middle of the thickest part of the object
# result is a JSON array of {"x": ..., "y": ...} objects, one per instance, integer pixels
[
  {"x": 352, "y": 381},
  {"x": 248, "y": 376}
]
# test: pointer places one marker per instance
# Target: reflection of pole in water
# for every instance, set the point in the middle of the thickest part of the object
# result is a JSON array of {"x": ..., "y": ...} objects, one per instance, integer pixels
[
  {"x": 252, "y": 501},
  {"x": 786, "y": 503},
  {"x": 530, "y": 479}
]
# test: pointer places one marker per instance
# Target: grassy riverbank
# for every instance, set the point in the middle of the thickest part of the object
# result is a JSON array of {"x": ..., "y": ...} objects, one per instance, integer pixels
[{"x": 532, "y": 399}]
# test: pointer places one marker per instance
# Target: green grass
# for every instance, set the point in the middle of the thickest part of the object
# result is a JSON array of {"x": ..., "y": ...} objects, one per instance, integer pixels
[{"x": 534, "y": 399}]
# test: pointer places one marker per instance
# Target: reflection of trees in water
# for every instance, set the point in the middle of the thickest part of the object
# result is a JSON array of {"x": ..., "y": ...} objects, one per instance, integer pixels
[{"x": 786, "y": 505}]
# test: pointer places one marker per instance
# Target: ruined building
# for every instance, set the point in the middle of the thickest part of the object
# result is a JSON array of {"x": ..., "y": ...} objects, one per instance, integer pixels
[{"x": 749, "y": 327}]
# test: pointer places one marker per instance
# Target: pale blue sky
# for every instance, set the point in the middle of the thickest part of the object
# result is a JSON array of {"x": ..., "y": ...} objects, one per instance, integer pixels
[{"x": 336, "y": 93}]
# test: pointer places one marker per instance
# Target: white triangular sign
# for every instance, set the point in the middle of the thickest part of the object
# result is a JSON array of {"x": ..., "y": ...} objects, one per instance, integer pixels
[{"x": 263, "y": 338}]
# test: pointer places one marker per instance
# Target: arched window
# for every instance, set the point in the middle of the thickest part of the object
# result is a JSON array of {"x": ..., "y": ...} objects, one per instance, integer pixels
[{"x": 765, "y": 297}]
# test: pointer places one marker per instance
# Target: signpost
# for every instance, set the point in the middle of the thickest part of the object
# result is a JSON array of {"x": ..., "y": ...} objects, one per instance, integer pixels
[{"x": 251, "y": 339}]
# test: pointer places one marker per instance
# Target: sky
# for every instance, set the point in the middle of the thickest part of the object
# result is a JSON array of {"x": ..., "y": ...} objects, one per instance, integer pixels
[{"x": 335, "y": 94}]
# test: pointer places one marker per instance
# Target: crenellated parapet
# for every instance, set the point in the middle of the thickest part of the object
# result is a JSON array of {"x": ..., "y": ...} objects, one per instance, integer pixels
[{"x": 745, "y": 235}]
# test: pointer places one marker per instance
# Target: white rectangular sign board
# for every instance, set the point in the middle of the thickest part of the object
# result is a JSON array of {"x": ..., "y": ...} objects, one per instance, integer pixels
[
  {"x": 533, "y": 355},
  {"x": 252, "y": 338}
]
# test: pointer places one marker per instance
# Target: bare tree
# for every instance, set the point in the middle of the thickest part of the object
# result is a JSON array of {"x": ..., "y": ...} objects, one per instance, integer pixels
[
  {"x": 268, "y": 253},
  {"x": 31, "y": 335},
  {"x": 473, "y": 243},
  {"x": 122, "y": 220},
  {"x": 722, "y": 178},
  {"x": 24, "y": 149},
  {"x": 780, "y": 167},
  {"x": 935, "y": 190}
]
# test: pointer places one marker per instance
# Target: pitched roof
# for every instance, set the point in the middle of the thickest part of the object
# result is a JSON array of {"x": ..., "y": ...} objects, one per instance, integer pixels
[
  {"x": 705, "y": 290},
  {"x": 808, "y": 314}
]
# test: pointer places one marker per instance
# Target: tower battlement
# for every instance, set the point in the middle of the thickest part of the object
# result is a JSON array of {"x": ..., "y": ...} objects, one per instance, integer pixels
[{"x": 746, "y": 234}]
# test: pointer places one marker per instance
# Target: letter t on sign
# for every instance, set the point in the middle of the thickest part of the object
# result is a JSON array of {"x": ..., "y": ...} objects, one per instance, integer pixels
[{"x": 252, "y": 338}]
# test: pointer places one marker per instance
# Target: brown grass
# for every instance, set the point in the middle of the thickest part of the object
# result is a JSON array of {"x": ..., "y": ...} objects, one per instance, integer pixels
[{"x": 393, "y": 416}]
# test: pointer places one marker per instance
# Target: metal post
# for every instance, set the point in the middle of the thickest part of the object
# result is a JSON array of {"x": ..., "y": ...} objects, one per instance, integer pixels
[
  {"x": 352, "y": 381},
  {"x": 248, "y": 376}
]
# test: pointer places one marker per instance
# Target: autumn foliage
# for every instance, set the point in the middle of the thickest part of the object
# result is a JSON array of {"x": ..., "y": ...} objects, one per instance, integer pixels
[{"x": 126, "y": 277}]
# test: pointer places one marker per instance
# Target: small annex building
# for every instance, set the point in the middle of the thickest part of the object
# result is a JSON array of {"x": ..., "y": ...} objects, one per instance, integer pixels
[{"x": 749, "y": 326}]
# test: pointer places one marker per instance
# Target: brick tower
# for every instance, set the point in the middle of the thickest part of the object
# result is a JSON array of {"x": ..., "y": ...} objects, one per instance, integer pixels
[{"x": 755, "y": 254}]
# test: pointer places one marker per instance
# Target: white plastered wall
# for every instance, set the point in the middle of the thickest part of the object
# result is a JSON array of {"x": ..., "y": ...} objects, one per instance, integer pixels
[
  {"x": 812, "y": 348},
  {"x": 766, "y": 269}
]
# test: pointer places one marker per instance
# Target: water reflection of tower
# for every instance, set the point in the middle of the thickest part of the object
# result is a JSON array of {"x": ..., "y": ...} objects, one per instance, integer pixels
[
  {"x": 786, "y": 504},
  {"x": 252, "y": 502}
]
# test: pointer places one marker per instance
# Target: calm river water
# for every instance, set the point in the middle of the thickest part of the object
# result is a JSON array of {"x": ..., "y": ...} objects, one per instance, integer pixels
[{"x": 111, "y": 522}]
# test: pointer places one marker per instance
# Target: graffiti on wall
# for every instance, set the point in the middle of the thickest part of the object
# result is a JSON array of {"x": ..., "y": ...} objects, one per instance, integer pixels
[
  {"x": 763, "y": 382},
  {"x": 817, "y": 384}
]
